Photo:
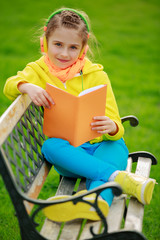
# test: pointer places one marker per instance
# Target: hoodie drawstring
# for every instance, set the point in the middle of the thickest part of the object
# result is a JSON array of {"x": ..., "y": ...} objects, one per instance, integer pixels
[{"x": 81, "y": 73}]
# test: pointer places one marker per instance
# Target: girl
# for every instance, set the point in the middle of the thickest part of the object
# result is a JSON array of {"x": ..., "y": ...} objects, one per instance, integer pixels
[{"x": 103, "y": 159}]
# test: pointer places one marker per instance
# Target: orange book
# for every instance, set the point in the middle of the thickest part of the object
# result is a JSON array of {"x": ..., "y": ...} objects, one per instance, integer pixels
[{"x": 70, "y": 117}]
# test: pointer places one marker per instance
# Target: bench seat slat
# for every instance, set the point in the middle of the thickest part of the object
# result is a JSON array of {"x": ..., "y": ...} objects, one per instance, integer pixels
[
  {"x": 71, "y": 230},
  {"x": 134, "y": 216},
  {"x": 116, "y": 213},
  {"x": 144, "y": 167},
  {"x": 50, "y": 229},
  {"x": 129, "y": 165},
  {"x": 86, "y": 234},
  {"x": 66, "y": 186}
]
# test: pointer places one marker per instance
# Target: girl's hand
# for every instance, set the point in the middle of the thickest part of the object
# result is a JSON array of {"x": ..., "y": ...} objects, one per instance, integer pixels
[
  {"x": 37, "y": 94},
  {"x": 104, "y": 125}
]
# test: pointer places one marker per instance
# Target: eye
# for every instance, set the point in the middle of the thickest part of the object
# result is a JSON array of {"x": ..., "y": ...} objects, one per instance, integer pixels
[
  {"x": 58, "y": 44},
  {"x": 73, "y": 47}
]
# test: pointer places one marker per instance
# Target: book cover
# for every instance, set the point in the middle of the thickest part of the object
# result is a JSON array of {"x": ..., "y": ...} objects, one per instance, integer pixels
[{"x": 70, "y": 117}]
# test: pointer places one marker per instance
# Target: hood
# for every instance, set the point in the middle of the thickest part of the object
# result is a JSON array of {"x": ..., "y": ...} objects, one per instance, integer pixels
[{"x": 91, "y": 67}]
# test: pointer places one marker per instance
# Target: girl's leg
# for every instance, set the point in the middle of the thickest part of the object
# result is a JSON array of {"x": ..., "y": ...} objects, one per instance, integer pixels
[
  {"x": 107, "y": 194},
  {"x": 69, "y": 161},
  {"x": 76, "y": 160},
  {"x": 114, "y": 153}
]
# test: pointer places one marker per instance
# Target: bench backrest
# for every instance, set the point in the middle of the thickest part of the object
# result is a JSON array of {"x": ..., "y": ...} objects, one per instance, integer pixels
[{"x": 21, "y": 138}]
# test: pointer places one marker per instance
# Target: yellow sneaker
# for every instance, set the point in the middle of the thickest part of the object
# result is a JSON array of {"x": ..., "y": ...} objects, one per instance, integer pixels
[
  {"x": 68, "y": 211},
  {"x": 137, "y": 186}
]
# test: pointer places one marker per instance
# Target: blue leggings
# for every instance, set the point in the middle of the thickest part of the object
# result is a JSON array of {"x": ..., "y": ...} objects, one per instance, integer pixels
[{"x": 96, "y": 162}]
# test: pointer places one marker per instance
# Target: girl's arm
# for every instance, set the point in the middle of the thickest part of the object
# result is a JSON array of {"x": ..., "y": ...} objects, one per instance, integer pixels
[{"x": 37, "y": 94}]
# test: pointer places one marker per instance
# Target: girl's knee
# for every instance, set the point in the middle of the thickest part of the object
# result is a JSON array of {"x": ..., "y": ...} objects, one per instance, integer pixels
[
  {"x": 114, "y": 153},
  {"x": 52, "y": 144}
]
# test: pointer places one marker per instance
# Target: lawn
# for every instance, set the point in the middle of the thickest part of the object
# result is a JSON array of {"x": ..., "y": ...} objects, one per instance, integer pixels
[{"x": 128, "y": 43}]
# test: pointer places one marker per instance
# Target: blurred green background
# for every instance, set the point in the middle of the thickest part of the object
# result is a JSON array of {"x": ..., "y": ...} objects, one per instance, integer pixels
[{"x": 128, "y": 34}]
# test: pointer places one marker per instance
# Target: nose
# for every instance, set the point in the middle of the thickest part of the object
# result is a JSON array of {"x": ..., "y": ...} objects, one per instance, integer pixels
[{"x": 64, "y": 52}]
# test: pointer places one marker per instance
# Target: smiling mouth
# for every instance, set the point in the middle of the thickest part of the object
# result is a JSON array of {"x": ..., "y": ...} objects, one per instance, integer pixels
[{"x": 63, "y": 60}]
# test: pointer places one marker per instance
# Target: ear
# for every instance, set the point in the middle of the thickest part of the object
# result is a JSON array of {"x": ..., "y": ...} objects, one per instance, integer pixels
[
  {"x": 43, "y": 44},
  {"x": 83, "y": 52}
]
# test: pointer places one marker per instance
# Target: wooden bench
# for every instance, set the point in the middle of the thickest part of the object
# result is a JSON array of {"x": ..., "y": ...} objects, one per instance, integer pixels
[{"x": 24, "y": 172}]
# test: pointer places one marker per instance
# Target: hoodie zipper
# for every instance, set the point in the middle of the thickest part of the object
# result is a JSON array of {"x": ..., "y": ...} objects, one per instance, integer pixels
[
  {"x": 64, "y": 83},
  {"x": 81, "y": 74}
]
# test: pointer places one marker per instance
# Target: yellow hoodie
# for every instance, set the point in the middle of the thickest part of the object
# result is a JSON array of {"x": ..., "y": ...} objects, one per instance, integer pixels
[{"x": 93, "y": 75}]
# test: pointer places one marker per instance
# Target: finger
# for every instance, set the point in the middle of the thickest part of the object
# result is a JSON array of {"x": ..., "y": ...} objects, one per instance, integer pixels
[
  {"x": 99, "y": 123},
  {"x": 41, "y": 101},
  {"x": 100, "y": 118},
  {"x": 103, "y": 132},
  {"x": 100, "y": 128},
  {"x": 45, "y": 101},
  {"x": 36, "y": 102},
  {"x": 49, "y": 98}
]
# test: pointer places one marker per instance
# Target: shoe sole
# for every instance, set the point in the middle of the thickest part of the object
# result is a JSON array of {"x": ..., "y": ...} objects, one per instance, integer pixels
[
  {"x": 68, "y": 211},
  {"x": 147, "y": 191}
]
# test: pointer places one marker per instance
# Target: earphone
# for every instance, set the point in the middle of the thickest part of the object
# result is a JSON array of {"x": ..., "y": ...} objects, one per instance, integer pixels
[
  {"x": 83, "y": 52},
  {"x": 43, "y": 44},
  {"x": 43, "y": 40}
]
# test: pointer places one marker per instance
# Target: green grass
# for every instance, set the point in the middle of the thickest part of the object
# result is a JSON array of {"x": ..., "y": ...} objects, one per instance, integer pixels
[{"x": 128, "y": 37}]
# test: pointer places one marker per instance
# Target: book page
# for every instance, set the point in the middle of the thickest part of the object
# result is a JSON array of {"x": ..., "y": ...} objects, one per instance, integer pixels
[
  {"x": 90, "y": 105},
  {"x": 90, "y": 90}
]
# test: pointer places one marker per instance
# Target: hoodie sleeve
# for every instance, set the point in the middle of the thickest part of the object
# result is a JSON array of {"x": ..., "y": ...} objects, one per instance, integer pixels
[
  {"x": 10, "y": 88},
  {"x": 112, "y": 112},
  {"x": 32, "y": 73}
]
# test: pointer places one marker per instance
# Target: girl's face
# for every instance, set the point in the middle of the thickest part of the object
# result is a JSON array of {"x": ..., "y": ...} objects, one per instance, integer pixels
[{"x": 64, "y": 47}]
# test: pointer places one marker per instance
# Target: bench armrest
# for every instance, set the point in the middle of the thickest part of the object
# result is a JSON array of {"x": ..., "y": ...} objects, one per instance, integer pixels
[
  {"x": 132, "y": 120},
  {"x": 143, "y": 154}
]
